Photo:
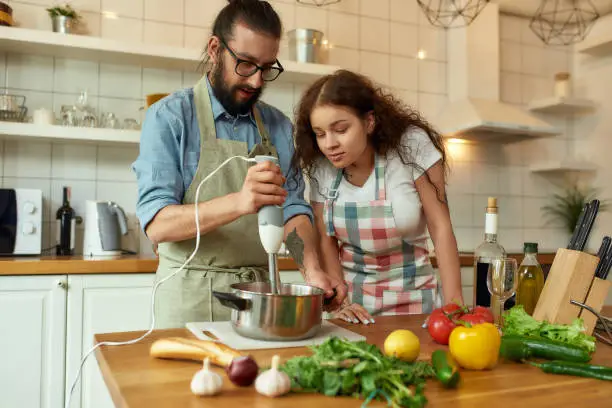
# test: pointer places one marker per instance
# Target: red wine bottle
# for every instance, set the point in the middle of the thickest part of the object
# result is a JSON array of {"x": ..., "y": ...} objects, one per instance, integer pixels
[{"x": 66, "y": 223}]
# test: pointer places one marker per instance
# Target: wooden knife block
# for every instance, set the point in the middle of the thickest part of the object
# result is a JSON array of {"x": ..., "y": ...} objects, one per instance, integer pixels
[
  {"x": 570, "y": 278},
  {"x": 596, "y": 298}
]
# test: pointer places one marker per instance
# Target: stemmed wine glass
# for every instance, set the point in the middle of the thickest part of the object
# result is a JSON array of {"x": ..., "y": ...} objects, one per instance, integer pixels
[{"x": 501, "y": 282}]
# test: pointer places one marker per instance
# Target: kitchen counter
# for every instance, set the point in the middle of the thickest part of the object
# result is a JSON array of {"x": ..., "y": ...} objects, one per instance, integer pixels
[
  {"x": 67, "y": 265},
  {"x": 71, "y": 265},
  {"x": 60, "y": 265},
  {"x": 135, "y": 380}
]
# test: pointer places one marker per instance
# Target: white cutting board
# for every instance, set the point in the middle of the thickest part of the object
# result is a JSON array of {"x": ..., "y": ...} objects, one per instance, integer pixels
[{"x": 226, "y": 335}]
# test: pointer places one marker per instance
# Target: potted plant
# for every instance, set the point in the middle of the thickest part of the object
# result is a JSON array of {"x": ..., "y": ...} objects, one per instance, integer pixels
[
  {"x": 567, "y": 207},
  {"x": 64, "y": 18}
]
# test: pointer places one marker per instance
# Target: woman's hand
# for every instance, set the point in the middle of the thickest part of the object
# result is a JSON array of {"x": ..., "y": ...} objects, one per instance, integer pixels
[{"x": 354, "y": 313}]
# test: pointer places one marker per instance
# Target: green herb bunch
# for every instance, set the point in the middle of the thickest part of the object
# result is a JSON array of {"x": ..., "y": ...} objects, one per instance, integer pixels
[
  {"x": 65, "y": 10},
  {"x": 339, "y": 367},
  {"x": 567, "y": 207}
]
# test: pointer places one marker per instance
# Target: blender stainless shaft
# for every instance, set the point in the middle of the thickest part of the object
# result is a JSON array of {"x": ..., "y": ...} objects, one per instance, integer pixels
[{"x": 273, "y": 273}]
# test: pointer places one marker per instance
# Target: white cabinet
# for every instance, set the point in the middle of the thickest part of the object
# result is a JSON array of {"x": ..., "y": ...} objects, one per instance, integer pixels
[
  {"x": 101, "y": 304},
  {"x": 47, "y": 326},
  {"x": 32, "y": 341}
]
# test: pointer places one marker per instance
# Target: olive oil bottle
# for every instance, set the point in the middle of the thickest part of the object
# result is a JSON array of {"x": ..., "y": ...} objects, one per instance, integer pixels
[{"x": 530, "y": 279}]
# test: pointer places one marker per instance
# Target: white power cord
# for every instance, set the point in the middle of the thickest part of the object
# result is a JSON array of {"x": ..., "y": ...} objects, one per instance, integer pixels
[{"x": 197, "y": 245}]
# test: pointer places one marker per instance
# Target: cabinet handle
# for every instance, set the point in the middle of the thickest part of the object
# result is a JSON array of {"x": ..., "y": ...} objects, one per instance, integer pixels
[{"x": 62, "y": 284}]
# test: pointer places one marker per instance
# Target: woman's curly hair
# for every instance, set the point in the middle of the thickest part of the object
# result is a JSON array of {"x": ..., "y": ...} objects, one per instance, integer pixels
[{"x": 348, "y": 89}]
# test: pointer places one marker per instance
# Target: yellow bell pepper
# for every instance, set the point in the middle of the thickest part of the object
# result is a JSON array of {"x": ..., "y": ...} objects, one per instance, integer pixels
[{"x": 475, "y": 347}]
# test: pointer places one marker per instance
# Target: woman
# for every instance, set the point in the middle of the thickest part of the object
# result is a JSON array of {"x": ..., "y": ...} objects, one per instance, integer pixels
[{"x": 376, "y": 172}]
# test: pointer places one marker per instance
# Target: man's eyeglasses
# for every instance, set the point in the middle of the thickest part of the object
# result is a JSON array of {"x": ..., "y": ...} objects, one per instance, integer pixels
[{"x": 246, "y": 68}]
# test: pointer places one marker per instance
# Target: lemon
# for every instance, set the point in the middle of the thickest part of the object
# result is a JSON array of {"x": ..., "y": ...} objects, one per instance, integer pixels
[{"x": 402, "y": 344}]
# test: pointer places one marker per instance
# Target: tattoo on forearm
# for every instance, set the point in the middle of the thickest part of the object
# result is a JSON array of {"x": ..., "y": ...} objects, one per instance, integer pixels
[{"x": 295, "y": 245}]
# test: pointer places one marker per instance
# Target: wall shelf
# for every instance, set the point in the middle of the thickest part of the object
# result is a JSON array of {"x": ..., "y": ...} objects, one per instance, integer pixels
[
  {"x": 596, "y": 46},
  {"x": 563, "y": 166},
  {"x": 562, "y": 106},
  {"x": 81, "y": 47},
  {"x": 63, "y": 134}
]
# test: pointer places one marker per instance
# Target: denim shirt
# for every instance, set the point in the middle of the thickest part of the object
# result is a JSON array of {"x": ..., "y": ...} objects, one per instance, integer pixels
[{"x": 170, "y": 151}]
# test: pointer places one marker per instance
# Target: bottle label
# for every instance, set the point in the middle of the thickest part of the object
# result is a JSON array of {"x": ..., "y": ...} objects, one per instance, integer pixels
[
  {"x": 491, "y": 224},
  {"x": 58, "y": 235},
  {"x": 72, "y": 233}
]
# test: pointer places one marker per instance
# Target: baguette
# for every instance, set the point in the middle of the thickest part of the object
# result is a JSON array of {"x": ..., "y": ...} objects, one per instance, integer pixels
[{"x": 179, "y": 348}]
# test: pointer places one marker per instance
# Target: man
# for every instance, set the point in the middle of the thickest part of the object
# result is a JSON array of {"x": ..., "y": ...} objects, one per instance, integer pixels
[{"x": 188, "y": 135}]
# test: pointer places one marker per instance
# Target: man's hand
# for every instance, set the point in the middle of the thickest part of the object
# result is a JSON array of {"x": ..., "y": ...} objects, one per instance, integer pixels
[
  {"x": 263, "y": 185},
  {"x": 328, "y": 283}
]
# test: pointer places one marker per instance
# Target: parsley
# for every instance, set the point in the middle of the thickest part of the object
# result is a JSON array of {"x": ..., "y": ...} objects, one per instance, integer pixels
[{"x": 339, "y": 367}]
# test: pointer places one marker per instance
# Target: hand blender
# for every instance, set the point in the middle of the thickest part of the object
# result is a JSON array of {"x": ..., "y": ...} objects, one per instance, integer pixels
[{"x": 271, "y": 232}]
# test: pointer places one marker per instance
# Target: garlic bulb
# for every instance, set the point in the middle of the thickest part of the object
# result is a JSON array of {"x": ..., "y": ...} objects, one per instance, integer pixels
[
  {"x": 273, "y": 382},
  {"x": 206, "y": 382}
]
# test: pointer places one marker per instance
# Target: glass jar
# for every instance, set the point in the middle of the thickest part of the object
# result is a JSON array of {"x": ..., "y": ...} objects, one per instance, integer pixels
[{"x": 562, "y": 85}]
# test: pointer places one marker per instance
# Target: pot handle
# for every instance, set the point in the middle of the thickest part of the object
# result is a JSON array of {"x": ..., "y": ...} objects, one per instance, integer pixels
[
  {"x": 327, "y": 301},
  {"x": 232, "y": 301}
]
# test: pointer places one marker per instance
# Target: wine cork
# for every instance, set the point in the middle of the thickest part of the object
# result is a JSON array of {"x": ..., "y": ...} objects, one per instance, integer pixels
[{"x": 492, "y": 205}]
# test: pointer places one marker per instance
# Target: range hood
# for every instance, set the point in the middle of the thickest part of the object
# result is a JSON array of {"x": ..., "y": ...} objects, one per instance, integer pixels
[{"x": 475, "y": 111}]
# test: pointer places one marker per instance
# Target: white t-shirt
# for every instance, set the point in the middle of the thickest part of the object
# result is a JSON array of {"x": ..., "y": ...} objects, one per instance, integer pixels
[{"x": 399, "y": 181}]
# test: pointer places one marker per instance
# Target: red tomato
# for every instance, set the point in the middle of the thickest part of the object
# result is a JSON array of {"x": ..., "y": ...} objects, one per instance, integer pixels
[
  {"x": 450, "y": 308},
  {"x": 440, "y": 327},
  {"x": 473, "y": 318},
  {"x": 485, "y": 312}
]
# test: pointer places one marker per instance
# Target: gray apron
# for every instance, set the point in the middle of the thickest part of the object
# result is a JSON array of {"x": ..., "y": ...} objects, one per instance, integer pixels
[{"x": 232, "y": 253}]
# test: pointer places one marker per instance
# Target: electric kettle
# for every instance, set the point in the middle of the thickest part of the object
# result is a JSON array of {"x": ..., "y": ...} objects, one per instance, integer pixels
[{"x": 105, "y": 223}]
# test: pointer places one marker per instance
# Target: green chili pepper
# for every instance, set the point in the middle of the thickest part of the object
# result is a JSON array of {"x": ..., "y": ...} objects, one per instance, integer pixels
[
  {"x": 576, "y": 369},
  {"x": 446, "y": 368}
]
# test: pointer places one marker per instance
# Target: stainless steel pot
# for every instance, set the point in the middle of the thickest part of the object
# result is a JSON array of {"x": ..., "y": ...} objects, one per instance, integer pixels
[
  {"x": 295, "y": 313},
  {"x": 307, "y": 45}
]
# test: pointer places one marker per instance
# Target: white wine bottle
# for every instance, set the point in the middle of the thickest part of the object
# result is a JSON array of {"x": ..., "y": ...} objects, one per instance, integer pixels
[{"x": 488, "y": 250}]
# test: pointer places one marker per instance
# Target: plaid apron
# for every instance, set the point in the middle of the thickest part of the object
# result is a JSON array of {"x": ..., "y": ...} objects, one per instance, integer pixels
[{"x": 386, "y": 274}]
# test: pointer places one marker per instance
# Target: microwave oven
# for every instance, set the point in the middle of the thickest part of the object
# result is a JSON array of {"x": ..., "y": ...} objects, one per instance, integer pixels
[{"x": 20, "y": 221}]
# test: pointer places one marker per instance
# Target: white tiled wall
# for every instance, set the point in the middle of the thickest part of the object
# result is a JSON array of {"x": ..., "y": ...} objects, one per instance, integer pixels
[
  {"x": 593, "y": 131},
  {"x": 377, "y": 37},
  {"x": 478, "y": 170}
]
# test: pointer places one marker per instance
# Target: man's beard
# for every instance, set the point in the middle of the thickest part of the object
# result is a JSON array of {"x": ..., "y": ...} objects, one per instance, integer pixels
[{"x": 227, "y": 96}]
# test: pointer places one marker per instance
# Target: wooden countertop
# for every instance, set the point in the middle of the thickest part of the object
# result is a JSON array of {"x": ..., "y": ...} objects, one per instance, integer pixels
[
  {"x": 67, "y": 265},
  {"x": 59, "y": 265},
  {"x": 136, "y": 380}
]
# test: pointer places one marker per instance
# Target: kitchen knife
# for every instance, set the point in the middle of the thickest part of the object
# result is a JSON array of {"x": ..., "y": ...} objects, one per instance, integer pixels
[
  {"x": 572, "y": 242},
  {"x": 606, "y": 271},
  {"x": 607, "y": 264},
  {"x": 583, "y": 226},
  {"x": 601, "y": 254},
  {"x": 589, "y": 220}
]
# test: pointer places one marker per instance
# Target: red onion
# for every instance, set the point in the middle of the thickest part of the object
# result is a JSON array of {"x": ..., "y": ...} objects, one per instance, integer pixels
[{"x": 242, "y": 371}]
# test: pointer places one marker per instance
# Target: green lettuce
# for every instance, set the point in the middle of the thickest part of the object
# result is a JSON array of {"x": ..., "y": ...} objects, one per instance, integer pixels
[{"x": 517, "y": 321}]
